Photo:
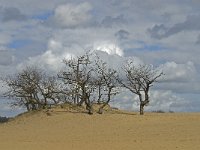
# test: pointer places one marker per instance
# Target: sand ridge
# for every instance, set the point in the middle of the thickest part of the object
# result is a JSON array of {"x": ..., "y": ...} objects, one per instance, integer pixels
[{"x": 60, "y": 130}]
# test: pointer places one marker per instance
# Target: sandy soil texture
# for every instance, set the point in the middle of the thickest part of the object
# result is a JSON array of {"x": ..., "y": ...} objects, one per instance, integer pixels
[{"x": 59, "y": 130}]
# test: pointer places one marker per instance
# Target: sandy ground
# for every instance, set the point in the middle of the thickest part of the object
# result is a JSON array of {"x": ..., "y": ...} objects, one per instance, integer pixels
[{"x": 78, "y": 131}]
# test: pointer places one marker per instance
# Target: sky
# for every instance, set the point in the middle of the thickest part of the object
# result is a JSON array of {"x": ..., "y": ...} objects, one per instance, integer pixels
[{"x": 163, "y": 33}]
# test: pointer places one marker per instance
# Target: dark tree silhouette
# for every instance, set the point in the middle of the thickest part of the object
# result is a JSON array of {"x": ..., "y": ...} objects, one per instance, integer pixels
[
  {"x": 139, "y": 79},
  {"x": 107, "y": 79},
  {"x": 78, "y": 80},
  {"x": 32, "y": 89}
]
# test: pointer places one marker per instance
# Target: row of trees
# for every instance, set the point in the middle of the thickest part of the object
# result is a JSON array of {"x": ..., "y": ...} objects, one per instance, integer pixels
[{"x": 85, "y": 80}]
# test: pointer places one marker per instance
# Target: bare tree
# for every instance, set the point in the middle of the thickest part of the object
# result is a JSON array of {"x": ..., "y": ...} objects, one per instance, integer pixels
[
  {"x": 22, "y": 87},
  {"x": 139, "y": 79},
  {"x": 99, "y": 87},
  {"x": 107, "y": 80},
  {"x": 31, "y": 88},
  {"x": 78, "y": 79},
  {"x": 50, "y": 90}
]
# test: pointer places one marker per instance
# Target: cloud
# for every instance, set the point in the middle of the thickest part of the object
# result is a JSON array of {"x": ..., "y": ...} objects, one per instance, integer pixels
[
  {"x": 6, "y": 110},
  {"x": 164, "y": 100},
  {"x": 109, "y": 21},
  {"x": 180, "y": 78},
  {"x": 60, "y": 45},
  {"x": 12, "y": 14},
  {"x": 111, "y": 49},
  {"x": 198, "y": 40},
  {"x": 4, "y": 38},
  {"x": 71, "y": 15},
  {"x": 6, "y": 58},
  {"x": 158, "y": 31},
  {"x": 178, "y": 72},
  {"x": 3, "y": 87},
  {"x": 53, "y": 57},
  {"x": 49, "y": 61},
  {"x": 113, "y": 61},
  {"x": 122, "y": 34},
  {"x": 44, "y": 32},
  {"x": 191, "y": 23}
]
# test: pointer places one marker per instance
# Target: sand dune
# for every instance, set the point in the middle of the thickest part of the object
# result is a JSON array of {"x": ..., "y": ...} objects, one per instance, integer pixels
[{"x": 60, "y": 130}]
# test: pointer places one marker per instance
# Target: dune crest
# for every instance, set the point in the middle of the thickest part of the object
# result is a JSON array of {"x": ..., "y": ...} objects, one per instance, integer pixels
[{"x": 59, "y": 128}]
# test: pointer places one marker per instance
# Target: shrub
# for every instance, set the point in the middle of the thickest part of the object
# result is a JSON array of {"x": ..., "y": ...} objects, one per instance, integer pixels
[{"x": 3, "y": 119}]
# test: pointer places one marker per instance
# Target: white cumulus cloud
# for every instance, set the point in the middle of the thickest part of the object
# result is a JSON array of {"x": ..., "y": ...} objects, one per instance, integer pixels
[
  {"x": 111, "y": 49},
  {"x": 178, "y": 72}
]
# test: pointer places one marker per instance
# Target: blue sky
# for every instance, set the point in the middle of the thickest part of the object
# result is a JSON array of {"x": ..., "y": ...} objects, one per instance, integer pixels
[
  {"x": 165, "y": 34},
  {"x": 43, "y": 16}
]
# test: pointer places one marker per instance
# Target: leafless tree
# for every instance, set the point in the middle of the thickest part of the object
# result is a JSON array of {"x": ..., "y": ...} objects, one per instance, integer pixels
[
  {"x": 50, "y": 90},
  {"x": 79, "y": 81},
  {"x": 31, "y": 88},
  {"x": 139, "y": 79},
  {"x": 99, "y": 87},
  {"x": 107, "y": 79}
]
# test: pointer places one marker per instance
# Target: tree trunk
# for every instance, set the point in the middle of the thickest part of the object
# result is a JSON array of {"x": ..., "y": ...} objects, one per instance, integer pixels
[
  {"x": 83, "y": 96},
  {"x": 81, "y": 102},
  {"x": 141, "y": 109},
  {"x": 141, "y": 104},
  {"x": 99, "y": 93},
  {"x": 146, "y": 95},
  {"x": 90, "y": 110},
  {"x": 89, "y": 107},
  {"x": 102, "y": 107},
  {"x": 27, "y": 106},
  {"x": 106, "y": 103},
  {"x": 86, "y": 98}
]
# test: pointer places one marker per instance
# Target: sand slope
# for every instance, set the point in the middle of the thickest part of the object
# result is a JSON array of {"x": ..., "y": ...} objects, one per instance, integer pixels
[{"x": 78, "y": 131}]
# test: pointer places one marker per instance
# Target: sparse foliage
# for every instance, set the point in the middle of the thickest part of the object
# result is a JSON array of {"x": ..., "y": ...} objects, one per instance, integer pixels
[
  {"x": 32, "y": 89},
  {"x": 78, "y": 80},
  {"x": 106, "y": 81},
  {"x": 139, "y": 79},
  {"x": 85, "y": 80}
]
